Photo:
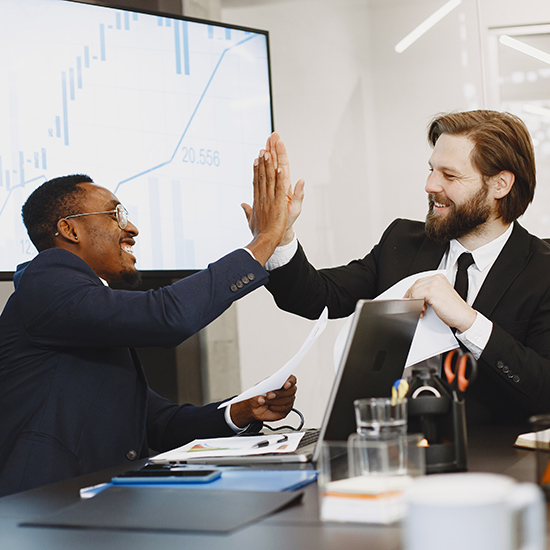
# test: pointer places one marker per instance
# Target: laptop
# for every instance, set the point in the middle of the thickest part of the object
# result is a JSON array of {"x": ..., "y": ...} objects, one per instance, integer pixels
[{"x": 374, "y": 357}]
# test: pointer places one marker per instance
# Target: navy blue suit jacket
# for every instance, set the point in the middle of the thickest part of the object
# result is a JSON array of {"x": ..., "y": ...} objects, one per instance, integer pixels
[
  {"x": 514, "y": 374},
  {"x": 73, "y": 394}
]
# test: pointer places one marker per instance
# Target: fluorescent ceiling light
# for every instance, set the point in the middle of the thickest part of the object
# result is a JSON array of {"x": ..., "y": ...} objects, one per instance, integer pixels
[
  {"x": 535, "y": 110},
  {"x": 524, "y": 48},
  {"x": 426, "y": 25}
]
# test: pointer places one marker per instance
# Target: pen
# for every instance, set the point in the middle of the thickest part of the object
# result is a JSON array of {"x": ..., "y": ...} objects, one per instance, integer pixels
[{"x": 265, "y": 442}]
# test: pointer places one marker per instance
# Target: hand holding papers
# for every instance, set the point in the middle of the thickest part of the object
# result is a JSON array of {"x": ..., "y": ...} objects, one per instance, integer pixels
[
  {"x": 275, "y": 381},
  {"x": 432, "y": 335}
]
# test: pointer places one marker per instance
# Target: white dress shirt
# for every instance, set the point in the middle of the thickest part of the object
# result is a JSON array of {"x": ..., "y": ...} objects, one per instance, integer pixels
[{"x": 477, "y": 336}]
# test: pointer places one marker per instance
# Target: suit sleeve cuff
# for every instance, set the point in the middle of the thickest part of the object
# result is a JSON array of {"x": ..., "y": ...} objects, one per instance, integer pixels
[
  {"x": 477, "y": 336},
  {"x": 282, "y": 255}
]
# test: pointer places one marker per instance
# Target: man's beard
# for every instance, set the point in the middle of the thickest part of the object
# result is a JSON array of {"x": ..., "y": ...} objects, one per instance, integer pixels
[
  {"x": 466, "y": 218},
  {"x": 132, "y": 278}
]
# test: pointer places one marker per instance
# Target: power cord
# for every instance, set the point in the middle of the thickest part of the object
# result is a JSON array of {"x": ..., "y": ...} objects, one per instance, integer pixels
[{"x": 289, "y": 427}]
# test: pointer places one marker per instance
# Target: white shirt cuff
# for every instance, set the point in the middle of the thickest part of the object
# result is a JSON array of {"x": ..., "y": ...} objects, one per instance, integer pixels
[
  {"x": 230, "y": 422},
  {"x": 250, "y": 252},
  {"x": 282, "y": 255},
  {"x": 477, "y": 336}
]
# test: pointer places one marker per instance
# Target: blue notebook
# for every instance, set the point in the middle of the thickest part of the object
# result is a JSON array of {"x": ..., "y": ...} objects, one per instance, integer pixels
[{"x": 243, "y": 480}]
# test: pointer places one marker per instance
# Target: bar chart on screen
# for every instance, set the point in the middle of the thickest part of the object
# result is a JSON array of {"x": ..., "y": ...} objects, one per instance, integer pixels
[{"x": 167, "y": 113}]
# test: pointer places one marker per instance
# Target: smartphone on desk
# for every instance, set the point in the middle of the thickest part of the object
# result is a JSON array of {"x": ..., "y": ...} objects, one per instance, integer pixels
[{"x": 155, "y": 474}]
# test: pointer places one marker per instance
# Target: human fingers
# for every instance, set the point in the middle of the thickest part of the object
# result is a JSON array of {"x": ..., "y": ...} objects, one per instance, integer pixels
[
  {"x": 249, "y": 213},
  {"x": 256, "y": 182},
  {"x": 282, "y": 393},
  {"x": 271, "y": 147},
  {"x": 261, "y": 174},
  {"x": 291, "y": 381},
  {"x": 283, "y": 166},
  {"x": 272, "y": 186},
  {"x": 296, "y": 201}
]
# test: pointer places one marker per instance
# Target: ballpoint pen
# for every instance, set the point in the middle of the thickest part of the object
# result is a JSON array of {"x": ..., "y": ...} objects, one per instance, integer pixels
[{"x": 266, "y": 442}]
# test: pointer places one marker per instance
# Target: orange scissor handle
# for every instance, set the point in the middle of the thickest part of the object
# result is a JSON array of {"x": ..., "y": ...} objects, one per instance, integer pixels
[{"x": 459, "y": 371}]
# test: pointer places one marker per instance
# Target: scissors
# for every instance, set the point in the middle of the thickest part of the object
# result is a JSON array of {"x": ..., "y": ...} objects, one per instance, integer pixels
[{"x": 455, "y": 366}]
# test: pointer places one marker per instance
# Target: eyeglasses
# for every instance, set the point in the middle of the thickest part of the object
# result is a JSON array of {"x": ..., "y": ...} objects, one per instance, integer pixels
[{"x": 120, "y": 212}]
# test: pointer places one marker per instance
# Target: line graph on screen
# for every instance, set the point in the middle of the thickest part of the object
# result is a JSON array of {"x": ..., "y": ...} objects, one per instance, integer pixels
[{"x": 166, "y": 113}]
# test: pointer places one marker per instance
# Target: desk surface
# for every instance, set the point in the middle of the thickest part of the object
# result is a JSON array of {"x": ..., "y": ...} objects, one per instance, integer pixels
[{"x": 490, "y": 450}]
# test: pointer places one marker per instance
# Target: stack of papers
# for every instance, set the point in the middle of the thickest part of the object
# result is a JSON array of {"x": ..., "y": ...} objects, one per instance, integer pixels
[
  {"x": 529, "y": 440},
  {"x": 232, "y": 446},
  {"x": 365, "y": 499}
]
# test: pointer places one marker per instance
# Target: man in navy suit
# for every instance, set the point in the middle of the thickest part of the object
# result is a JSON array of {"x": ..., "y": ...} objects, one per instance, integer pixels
[
  {"x": 73, "y": 394},
  {"x": 482, "y": 178}
]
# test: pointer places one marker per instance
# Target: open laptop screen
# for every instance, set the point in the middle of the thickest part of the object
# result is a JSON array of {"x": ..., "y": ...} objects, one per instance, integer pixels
[{"x": 374, "y": 357}]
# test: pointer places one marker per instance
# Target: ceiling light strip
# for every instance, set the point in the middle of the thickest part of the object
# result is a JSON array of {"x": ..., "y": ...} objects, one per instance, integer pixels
[
  {"x": 524, "y": 48},
  {"x": 426, "y": 25}
]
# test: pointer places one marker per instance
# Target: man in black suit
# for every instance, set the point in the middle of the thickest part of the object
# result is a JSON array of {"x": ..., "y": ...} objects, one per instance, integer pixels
[
  {"x": 73, "y": 394},
  {"x": 482, "y": 178}
]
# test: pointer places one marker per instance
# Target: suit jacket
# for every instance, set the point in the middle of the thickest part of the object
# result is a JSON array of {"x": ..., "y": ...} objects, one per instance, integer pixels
[
  {"x": 514, "y": 368},
  {"x": 73, "y": 394}
]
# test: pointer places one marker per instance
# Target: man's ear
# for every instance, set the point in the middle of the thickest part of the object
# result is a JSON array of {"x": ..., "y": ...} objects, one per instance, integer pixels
[
  {"x": 502, "y": 184},
  {"x": 67, "y": 230}
]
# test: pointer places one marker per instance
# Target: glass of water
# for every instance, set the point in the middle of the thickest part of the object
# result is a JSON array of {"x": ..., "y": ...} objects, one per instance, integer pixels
[{"x": 381, "y": 417}]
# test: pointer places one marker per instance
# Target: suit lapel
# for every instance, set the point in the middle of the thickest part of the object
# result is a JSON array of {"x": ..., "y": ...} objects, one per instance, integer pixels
[
  {"x": 509, "y": 264},
  {"x": 428, "y": 257}
]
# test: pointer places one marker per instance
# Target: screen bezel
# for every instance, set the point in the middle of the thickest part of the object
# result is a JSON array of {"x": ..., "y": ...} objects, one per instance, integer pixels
[{"x": 175, "y": 273}]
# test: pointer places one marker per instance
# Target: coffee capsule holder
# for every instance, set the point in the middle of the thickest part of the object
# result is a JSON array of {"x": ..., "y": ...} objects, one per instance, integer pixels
[{"x": 440, "y": 415}]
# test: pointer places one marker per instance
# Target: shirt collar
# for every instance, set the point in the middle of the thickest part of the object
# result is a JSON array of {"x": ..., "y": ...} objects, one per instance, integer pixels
[{"x": 485, "y": 255}]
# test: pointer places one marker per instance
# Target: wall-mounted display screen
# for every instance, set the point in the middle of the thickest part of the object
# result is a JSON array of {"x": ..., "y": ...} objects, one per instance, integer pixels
[{"x": 166, "y": 112}]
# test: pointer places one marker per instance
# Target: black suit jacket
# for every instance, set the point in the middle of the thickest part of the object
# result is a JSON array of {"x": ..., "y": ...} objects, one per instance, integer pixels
[
  {"x": 514, "y": 377},
  {"x": 73, "y": 394}
]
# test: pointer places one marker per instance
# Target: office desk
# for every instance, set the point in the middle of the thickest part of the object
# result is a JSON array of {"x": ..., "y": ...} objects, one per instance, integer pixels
[{"x": 297, "y": 527}]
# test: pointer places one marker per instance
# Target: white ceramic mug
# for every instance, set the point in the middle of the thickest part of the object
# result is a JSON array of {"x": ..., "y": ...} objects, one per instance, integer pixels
[{"x": 474, "y": 511}]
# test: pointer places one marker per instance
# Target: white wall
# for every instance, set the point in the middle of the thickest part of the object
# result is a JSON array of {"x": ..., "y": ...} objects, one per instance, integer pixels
[
  {"x": 6, "y": 288},
  {"x": 353, "y": 115}
]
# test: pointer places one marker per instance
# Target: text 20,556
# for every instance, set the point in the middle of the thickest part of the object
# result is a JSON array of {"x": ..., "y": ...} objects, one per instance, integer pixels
[{"x": 207, "y": 157}]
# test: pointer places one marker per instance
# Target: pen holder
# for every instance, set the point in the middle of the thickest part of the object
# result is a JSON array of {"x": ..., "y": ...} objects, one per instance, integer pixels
[{"x": 440, "y": 415}]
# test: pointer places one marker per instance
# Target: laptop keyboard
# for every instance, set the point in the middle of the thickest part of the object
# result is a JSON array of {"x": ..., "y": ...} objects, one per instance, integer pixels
[{"x": 310, "y": 436}]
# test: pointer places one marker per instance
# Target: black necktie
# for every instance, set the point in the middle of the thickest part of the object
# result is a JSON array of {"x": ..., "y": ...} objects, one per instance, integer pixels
[{"x": 465, "y": 260}]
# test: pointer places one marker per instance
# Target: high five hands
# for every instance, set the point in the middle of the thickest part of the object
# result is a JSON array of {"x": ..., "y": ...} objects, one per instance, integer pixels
[{"x": 275, "y": 201}]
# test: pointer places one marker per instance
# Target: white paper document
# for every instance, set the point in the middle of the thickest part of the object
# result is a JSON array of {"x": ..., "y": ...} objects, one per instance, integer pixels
[
  {"x": 232, "y": 446},
  {"x": 432, "y": 335},
  {"x": 276, "y": 381}
]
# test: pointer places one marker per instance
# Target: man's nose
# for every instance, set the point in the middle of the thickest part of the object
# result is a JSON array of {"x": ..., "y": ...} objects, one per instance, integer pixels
[
  {"x": 433, "y": 183},
  {"x": 131, "y": 228}
]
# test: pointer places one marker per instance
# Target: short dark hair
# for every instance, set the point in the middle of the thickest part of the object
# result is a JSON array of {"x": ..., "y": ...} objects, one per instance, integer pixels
[
  {"x": 501, "y": 142},
  {"x": 47, "y": 204}
]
